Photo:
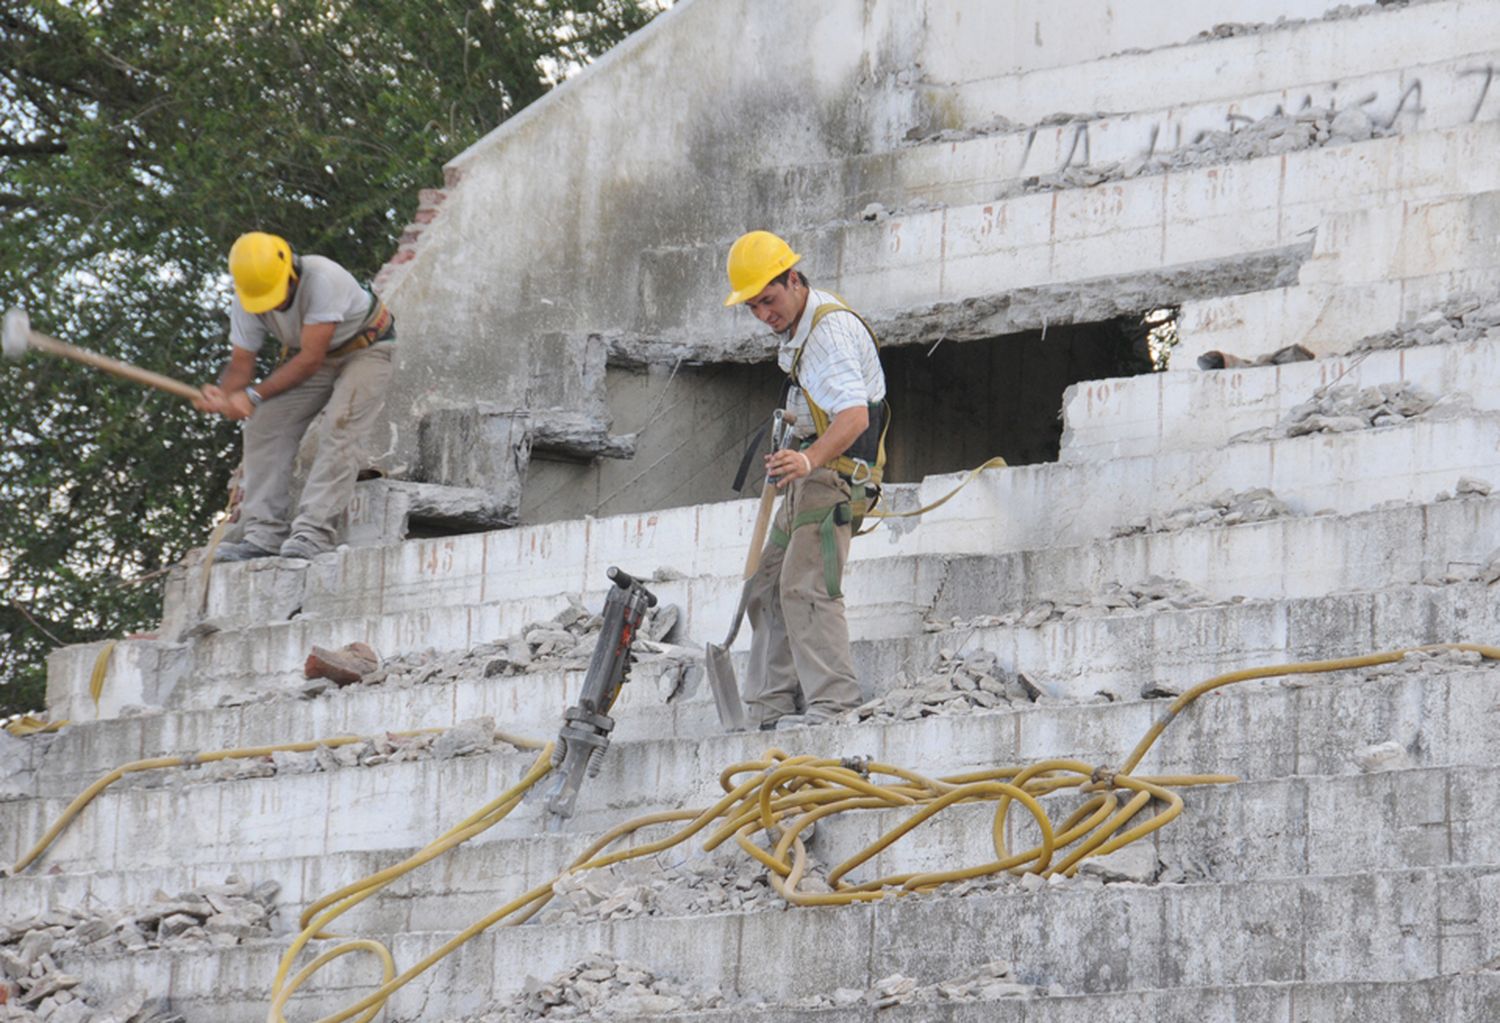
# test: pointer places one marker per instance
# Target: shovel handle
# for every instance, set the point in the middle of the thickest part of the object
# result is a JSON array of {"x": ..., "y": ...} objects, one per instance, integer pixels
[
  {"x": 124, "y": 370},
  {"x": 762, "y": 522}
]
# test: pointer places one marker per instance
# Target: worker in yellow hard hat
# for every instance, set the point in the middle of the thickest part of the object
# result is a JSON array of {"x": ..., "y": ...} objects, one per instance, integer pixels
[
  {"x": 338, "y": 341},
  {"x": 799, "y": 656}
]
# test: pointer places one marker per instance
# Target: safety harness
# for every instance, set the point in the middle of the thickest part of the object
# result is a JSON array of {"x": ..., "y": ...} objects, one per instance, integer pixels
[
  {"x": 862, "y": 465},
  {"x": 380, "y": 325}
]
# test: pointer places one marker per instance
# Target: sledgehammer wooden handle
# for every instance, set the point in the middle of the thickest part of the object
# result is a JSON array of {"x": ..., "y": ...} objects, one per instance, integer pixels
[
  {"x": 758, "y": 535},
  {"x": 120, "y": 369}
]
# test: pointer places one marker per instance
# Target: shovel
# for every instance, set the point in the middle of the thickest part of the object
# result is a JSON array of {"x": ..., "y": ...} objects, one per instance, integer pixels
[{"x": 716, "y": 660}]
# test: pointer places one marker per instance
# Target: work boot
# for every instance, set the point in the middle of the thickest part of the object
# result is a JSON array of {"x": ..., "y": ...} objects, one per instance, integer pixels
[
  {"x": 304, "y": 547},
  {"x": 241, "y": 550},
  {"x": 816, "y": 716}
]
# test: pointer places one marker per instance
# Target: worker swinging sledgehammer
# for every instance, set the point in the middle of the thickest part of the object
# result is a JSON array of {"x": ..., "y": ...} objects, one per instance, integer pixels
[
  {"x": 340, "y": 339},
  {"x": 829, "y": 476}
]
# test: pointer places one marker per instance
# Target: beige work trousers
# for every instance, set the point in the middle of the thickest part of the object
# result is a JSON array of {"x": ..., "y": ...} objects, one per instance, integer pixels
[
  {"x": 352, "y": 389},
  {"x": 800, "y": 646}
]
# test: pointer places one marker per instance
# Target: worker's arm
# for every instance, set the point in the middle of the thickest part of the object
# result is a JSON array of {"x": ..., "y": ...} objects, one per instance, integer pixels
[
  {"x": 307, "y": 361},
  {"x": 788, "y": 465},
  {"x": 236, "y": 376}
]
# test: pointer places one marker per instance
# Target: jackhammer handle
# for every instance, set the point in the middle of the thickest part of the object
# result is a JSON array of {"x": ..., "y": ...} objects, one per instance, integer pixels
[
  {"x": 124, "y": 370},
  {"x": 624, "y": 580}
]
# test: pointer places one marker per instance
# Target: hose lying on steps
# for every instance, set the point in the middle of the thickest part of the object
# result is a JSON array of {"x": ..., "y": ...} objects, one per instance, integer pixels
[{"x": 780, "y": 796}]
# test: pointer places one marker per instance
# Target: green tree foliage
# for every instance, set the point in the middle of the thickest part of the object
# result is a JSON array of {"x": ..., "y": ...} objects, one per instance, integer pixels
[{"x": 137, "y": 139}]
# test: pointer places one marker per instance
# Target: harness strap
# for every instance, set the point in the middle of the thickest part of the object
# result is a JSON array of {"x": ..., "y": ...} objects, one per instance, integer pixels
[
  {"x": 870, "y": 469},
  {"x": 380, "y": 325},
  {"x": 827, "y": 520}
]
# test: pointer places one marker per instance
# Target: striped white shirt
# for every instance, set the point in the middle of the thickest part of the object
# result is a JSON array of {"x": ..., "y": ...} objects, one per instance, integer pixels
[{"x": 840, "y": 367}]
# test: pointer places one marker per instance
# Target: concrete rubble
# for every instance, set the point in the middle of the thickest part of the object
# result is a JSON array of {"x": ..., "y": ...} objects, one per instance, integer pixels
[
  {"x": 1462, "y": 319},
  {"x": 602, "y": 986},
  {"x": 1345, "y": 407},
  {"x": 1246, "y": 140},
  {"x": 1243, "y": 140},
  {"x": 564, "y": 642},
  {"x": 991, "y": 981},
  {"x": 1228, "y": 30},
  {"x": 1225, "y": 509},
  {"x": 725, "y": 880},
  {"x": 956, "y": 684},
  {"x": 34, "y": 985},
  {"x": 463, "y": 739}
]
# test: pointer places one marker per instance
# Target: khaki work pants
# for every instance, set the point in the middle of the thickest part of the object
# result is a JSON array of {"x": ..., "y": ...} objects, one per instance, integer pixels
[
  {"x": 353, "y": 391},
  {"x": 800, "y": 646}
]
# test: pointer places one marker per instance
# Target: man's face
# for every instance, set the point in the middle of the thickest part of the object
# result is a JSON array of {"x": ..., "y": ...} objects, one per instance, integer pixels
[{"x": 779, "y": 305}]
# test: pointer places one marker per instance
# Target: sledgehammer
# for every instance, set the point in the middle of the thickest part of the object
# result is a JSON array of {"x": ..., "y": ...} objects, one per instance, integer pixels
[{"x": 17, "y": 337}]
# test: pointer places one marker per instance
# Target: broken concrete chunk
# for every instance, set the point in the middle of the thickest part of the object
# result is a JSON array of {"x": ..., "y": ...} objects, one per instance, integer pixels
[
  {"x": 344, "y": 666},
  {"x": 462, "y": 739}
]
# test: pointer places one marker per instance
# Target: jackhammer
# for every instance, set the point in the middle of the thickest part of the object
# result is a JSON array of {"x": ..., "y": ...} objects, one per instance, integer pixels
[{"x": 586, "y": 725}]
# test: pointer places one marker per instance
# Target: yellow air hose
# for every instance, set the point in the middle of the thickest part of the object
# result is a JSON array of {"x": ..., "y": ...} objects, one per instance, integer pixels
[{"x": 781, "y": 796}]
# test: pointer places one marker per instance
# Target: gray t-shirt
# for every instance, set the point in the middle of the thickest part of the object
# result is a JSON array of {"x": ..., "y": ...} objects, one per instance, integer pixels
[{"x": 326, "y": 293}]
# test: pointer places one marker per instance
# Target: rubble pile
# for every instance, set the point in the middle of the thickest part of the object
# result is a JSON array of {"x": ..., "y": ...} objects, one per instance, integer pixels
[
  {"x": 1231, "y": 29},
  {"x": 564, "y": 642},
  {"x": 467, "y": 737},
  {"x": 989, "y": 982},
  {"x": 956, "y": 684},
  {"x": 33, "y": 986},
  {"x": 1228, "y": 508},
  {"x": 725, "y": 880},
  {"x": 1460, "y": 320},
  {"x": 1345, "y": 407},
  {"x": 602, "y": 987},
  {"x": 1271, "y": 135}
]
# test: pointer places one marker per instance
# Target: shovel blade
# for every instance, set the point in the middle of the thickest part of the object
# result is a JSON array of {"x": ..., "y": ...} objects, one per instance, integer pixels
[{"x": 726, "y": 688}]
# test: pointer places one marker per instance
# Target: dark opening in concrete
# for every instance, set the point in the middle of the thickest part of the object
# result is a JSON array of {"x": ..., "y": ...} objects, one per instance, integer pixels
[{"x": 959, "y": 403}]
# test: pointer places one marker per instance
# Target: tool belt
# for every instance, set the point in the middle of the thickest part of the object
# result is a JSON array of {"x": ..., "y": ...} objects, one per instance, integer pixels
[{"x": 380, "y": 325}]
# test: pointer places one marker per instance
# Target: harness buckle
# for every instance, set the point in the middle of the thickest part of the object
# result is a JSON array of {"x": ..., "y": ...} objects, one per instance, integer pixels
[{"x": 860, "y": 466}]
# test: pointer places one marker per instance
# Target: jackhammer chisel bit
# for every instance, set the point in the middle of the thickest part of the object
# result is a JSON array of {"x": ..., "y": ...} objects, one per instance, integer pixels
[{"x": 584, "y": 736}]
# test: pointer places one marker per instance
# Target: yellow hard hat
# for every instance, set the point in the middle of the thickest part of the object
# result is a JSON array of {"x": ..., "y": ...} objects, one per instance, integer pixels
[
  {"x": 261, "y": 265},
  {"x": 755, "y": 260}
]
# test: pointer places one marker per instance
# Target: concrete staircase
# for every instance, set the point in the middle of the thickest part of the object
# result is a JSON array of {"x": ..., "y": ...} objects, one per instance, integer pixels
[
  {"x": 1352, "y": 873},
  {"x": 1310, "y": 883}
]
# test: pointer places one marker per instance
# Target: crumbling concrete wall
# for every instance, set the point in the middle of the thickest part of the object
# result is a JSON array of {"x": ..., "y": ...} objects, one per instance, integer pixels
[{"x": 601, "y": 215}]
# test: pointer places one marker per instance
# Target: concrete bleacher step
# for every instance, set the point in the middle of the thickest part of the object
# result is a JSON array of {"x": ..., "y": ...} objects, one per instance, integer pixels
[
  {"x": 1388, "y": 263},
  {"x": 1247, "y": 831},
  {"x": 1414, "y": 924},
  {"x": 957, "y": 167},
  {"x": 1045, "y": 505},
  {"x": 1120, "y": 653},
  {"x": 1299, "y": 556},
  {"x": 1135, "y": 416},
  {"x": 1295, "y": 59},
  {"x": 1060, "y": 239},
  {"x": 1434, "y": 713}
]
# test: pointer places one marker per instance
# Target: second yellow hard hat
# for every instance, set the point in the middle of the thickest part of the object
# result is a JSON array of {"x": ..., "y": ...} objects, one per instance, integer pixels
[
  {"x": 755, "y": 260},
  {"x": 261, "y": 265}
]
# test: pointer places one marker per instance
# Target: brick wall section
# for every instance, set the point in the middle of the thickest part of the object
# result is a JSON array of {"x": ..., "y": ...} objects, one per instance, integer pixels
[{"x": 429, "y": 206}]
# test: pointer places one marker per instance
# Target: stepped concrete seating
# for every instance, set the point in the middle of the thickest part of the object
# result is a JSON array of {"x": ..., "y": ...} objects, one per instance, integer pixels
[
  {"x": 1129, "y": 227},
  {"x": 1315, "y": 888},
  {"x": 958, "y": 168},
  {"x": 1370, "y": 269},
  {"x": 1304, "y": 844}
]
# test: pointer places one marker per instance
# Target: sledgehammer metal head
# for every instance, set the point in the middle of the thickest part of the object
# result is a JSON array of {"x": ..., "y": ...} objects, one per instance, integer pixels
[
  {"x": 17, "y": 332},
  {"x": 18, "y": 338}
]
